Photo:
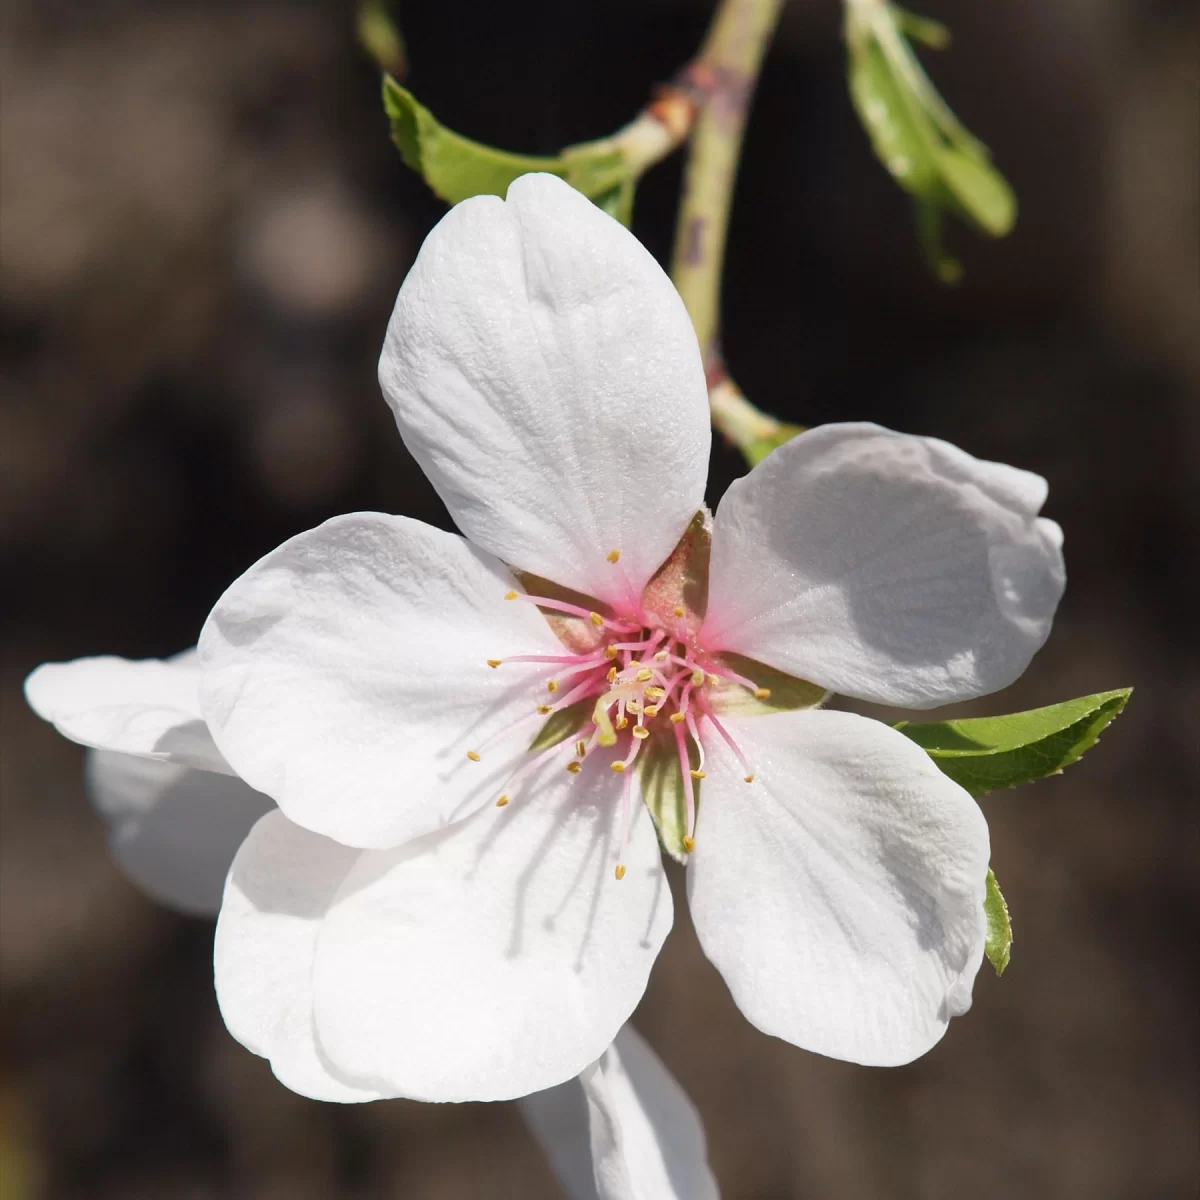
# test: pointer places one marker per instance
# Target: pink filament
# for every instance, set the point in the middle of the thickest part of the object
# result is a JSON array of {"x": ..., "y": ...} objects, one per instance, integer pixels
[
  {"x": 689, "y": 792},
  {"x": 576, "y": 660},
  {"x": 706, "y": 708},
  {"x": 576, "y": 610}
]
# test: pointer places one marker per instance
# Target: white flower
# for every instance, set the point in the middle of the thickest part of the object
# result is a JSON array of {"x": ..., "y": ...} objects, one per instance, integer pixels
[
  {"x": 434, "y": 911},
  {"x": 623, "y": 1130}
]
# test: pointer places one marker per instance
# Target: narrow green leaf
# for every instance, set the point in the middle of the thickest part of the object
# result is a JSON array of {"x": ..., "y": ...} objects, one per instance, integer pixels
[
  {"x": 980, "y": 192},
  {"x": 663, "y": 790},
  {"x": 998, "y": 946},
  {"x": 984, "y": 754},
  {"x": 925, "y": 30},
  {"x": 455, "y": 167},
  {"x": 900, "y": 135},
  {"x": 563, "y": 724},
  {"x": 928, "y": 219},
  {"x": 914, "y": 133},
  {"x": 380, "y": 37}
]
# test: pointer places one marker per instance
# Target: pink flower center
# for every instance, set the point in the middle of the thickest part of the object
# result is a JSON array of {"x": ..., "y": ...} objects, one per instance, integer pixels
[{"x": 639, "y": 678}]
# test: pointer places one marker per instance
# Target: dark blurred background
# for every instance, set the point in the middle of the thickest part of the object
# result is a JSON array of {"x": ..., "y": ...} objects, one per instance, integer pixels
[{"x": 203, "y": 227}]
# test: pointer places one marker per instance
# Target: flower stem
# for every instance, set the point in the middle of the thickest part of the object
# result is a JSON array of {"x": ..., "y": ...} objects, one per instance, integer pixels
[
  {"x": 724, "y": 74},
  {"x": 721, "y": 79}
]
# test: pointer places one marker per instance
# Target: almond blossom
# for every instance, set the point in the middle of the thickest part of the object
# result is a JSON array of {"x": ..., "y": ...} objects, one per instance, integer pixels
[{"x": 462, "y": 894}]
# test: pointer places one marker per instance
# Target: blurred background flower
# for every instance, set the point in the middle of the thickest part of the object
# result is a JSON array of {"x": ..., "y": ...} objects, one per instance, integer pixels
[{"x": 202, "y": 230}]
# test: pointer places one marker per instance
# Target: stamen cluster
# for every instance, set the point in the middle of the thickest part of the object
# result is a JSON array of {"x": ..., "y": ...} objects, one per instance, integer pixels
[{"x": 636, "y": 680}]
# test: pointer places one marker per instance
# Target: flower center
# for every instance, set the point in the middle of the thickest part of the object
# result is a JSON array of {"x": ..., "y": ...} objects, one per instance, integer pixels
[{"x": 632, "y": 681}]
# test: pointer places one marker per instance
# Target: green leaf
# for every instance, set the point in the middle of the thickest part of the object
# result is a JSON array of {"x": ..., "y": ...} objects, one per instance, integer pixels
[
  {"x": 380, "y": 37},
  {"x": 986, "y": 753},
  {"x": 916, "y": 136},
  {"x": 929, "y": 233},
  {"x": 928, "y": 32},
  {"x": 456, "y": 168},
  {"x": 980, "y": 192},
  {"x": 998, "y": 946},
  {"x": 563, "y": 724},
  {"x": 662, "y": 789},
  {"x": 900, "y": 135}
]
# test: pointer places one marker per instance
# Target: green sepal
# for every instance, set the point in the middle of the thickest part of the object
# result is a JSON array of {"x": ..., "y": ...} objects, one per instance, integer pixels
[
  {"x": 998, "y": 946},
  {"x": 788, "y": 692},
  {"x": 456, "y": 167},
  {"x": 561, "y": 725},
  {"x": 984, "y": 754},
  {"x": 916, "y": 136},
  {"x": 662, "y": 786}
]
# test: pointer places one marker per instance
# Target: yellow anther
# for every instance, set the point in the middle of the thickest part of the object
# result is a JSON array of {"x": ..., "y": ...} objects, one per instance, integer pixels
[
  {"x": 612, "y": 675},
  {"x": 611, "y": 652},
  {"x": 644, "y": 675},
  {"x": 552, "y": 685},
  {"x": 620, "y": 871},
  {"x": 622, "y": 722},
  {"x": 689, "y": 844},
  {"x": 613, "y": 555},
  {"x": 713, "y": 681},
  {"x": 698, "y": 775},
  {"x": 544, "y": 709},
  {"x": 697, "y": 677},
  {"x": 617, "y": 766},
  {"x": 493, "y": 662},
  {"x": 502, "y": 802},
  {"x": 678, "y": 610},
  {"x": 678, "y": 718},
  {"x": 472, "y": 755},
  {"x": 580, "y": 749},
  {"x": 762, "y": 693},
  {"x": 596, "y": 619},
  {"x": 651, "y": 710},
  {"x": 633, "y": 706},
  {"x": 640, "y": 732},
  {"x": 654, "y": 693},
  {"x": 749, "y": 778},
  {"x": 662, "y": 656},
  {"x": 510, "y": 595},
  {"x": 574, "y": 768}
]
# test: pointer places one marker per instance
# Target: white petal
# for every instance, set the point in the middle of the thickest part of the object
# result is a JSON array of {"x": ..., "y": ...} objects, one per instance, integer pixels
[
  {"x": 345, "y": 675},
  {"x": 624, "y": 1130},
  {"x": 147, "y": 707},
  {"x": 173, "y": 830},
  {"x": 279, "y": 890},
  {"x": 892, "y": 568},
  {"x": 545, "y": 374},
  {"x": 498, "y": 956},
  {"x": 840, "y": 894}
]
